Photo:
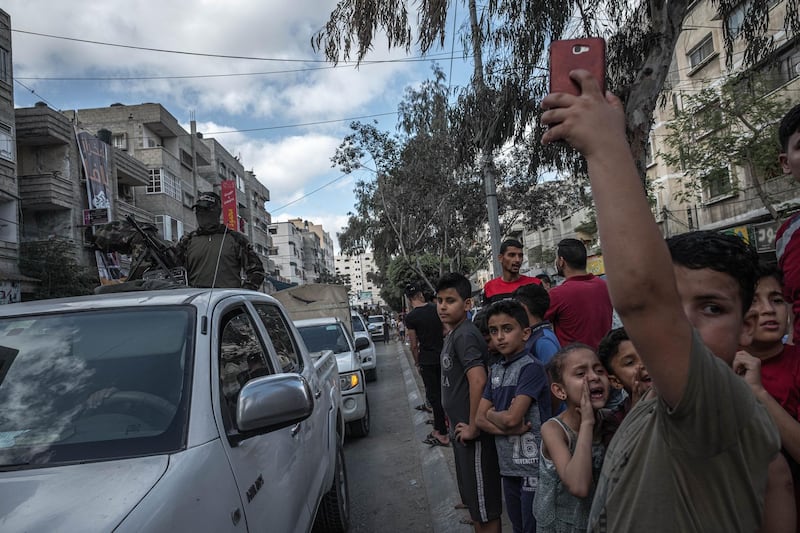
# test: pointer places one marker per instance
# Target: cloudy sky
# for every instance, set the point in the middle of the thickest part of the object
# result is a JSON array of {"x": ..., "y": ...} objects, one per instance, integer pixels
[{"x": 284, "y": 110}]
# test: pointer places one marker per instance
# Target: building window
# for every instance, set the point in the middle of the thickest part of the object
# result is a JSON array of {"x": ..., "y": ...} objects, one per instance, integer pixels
[
  {"x": 736, "y": 19},
  {"x": 119, "y": 141},
  {"x": 782, "y": 71},
  {"x": 718, "y": 183},
  {"x": 170, "y": 228},
  {"x": 186, "y": 159},
  {"x": 7, "y": 150},
  {"x": 163, "y": 181},
  {"x": 649, "y": 152},
  {"x": 8, "y": 221},
  {"x": 701, "y": 52},
  {"x": 5, "y": 65}
]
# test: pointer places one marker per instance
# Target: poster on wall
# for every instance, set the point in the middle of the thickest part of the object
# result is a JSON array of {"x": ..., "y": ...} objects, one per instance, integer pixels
[
  {"x": 95, "y": 156},
  {"x": 9, "y": 292},
  {"x": 230, "y": 211}
]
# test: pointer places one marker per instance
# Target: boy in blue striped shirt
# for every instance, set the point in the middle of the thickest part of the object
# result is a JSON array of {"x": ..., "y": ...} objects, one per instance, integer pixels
[{"x": 515, "y": 403}]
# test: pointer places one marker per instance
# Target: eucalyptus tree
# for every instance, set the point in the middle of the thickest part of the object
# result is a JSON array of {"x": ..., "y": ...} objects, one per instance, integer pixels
[{"x": 507, "y": 39}]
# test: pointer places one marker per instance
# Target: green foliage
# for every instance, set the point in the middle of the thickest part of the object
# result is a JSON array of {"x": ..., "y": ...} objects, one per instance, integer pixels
[
  {"x": 53, "y": 264},
  {"x": 402, "y": 271},
  {"x": 589, "y": 226},
  {"x": 733, "y": 125}
]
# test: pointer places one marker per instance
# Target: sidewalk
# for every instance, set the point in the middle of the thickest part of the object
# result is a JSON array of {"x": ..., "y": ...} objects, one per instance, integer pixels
[{"x": 438, "y": 465}]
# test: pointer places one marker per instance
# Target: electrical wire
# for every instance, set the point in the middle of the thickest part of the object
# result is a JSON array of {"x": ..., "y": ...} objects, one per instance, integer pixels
[{"x": 212, "y": 55}]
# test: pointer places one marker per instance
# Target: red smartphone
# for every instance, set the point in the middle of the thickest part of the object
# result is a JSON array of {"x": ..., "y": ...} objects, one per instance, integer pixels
[{"x": 570, "y": 54}]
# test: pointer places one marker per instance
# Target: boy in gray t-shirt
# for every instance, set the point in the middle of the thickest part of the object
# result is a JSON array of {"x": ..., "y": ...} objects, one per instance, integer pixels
[{"x": 464, "y": 361}]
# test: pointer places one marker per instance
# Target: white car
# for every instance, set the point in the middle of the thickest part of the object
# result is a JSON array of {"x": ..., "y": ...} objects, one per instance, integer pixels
[
  {"x": 376, "y": 329},
  {"x": 173, "y": 410},
  {"x": 323, "y": 334},
  {"x": 369, "y": 359}
]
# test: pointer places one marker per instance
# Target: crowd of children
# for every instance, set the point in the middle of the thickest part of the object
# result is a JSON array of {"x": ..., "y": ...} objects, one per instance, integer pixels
[{"x": 677, "y": 420}]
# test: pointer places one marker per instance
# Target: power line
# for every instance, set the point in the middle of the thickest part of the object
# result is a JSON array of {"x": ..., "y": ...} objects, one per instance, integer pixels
[
  {"x": 32, "y": 91},
  {"x": 219, "y": 56},
  {"x": 334, "y": 180}
]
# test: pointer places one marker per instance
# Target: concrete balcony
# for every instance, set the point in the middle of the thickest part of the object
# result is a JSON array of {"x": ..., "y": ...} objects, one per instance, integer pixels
[
  {"x": 45, "y": 191},
  {"x": 130, "y": 171},
  {"x": 42, "y": 126},
  {"x": 124, "y": 209}
]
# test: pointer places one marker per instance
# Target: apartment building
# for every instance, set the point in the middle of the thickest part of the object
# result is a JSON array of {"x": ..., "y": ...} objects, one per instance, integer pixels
[
  {"x": 287, "y": 253},
  {"x": 257, "y": 196},
  {"x": 729, "y": 199},
  {"x": 52, "y": 191},
  {"x": 153, "y": 136},
  {"x": 363, "y": 291},
  {"x": 11, "y": 281}
]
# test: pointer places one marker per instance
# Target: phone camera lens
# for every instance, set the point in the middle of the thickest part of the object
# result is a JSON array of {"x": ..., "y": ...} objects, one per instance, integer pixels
[{"x": 576, "y": 49}]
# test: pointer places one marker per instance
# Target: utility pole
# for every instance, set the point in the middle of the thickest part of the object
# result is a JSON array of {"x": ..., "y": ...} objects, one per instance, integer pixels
[{"x": 491, "y": 204}]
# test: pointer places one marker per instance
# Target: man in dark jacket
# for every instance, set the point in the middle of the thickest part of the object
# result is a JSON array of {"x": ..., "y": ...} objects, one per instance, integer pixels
[{"x": 215, "y": 256}]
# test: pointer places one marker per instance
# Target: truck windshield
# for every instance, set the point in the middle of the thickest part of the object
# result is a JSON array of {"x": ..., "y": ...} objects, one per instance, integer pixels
[
  {"x": 375, "y": 319},
  {"x": 87, "y": 386},
  {"x": 358, "y": 325}
]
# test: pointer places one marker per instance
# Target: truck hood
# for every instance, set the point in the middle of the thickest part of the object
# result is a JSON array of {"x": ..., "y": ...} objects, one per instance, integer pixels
[
  {"x": 347, "y": 362},
  {"x": 90, "y": 496}
]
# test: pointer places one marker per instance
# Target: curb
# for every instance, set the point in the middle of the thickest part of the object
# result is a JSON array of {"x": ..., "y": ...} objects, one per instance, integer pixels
[{"x": 440, "y": 486}]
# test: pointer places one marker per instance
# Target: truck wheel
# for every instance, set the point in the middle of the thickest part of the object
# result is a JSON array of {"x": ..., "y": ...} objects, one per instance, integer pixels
[
  {"x": 371, "y": 374},
  {"x": 360, "y": 428},
  {"x": 333, "y": 515}
]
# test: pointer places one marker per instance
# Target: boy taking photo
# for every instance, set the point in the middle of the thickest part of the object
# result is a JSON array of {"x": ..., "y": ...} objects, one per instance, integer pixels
[{"x": 697, "y": 448}]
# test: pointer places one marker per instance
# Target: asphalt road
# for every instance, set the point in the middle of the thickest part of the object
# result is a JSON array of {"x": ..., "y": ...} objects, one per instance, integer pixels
[{"x": 397, "y": 483}]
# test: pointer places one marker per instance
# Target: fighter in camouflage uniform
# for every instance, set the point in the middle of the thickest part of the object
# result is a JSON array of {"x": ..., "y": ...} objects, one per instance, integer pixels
[
  {"x": 215, "y": 256},
  {"x": 122, "y": 237}
]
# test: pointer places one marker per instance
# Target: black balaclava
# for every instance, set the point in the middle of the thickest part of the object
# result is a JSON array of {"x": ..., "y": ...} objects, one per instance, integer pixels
[{"x": 207, "y": 218}]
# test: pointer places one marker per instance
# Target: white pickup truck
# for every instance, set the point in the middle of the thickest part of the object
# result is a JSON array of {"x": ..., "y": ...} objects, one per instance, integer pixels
[{"x": 173, "y": 410}]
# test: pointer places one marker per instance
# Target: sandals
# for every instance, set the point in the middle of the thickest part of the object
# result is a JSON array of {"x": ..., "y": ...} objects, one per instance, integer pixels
[
  {"x": 423, "y": 407},
  {"x": 431, "y": 440}
]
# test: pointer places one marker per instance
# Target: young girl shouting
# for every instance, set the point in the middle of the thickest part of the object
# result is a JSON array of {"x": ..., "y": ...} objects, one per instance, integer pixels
[{"x": 572, "y": 451}]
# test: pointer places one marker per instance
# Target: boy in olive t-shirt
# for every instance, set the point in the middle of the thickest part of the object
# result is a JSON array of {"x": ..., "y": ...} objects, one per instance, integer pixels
[{"x": 693, "y": 454}]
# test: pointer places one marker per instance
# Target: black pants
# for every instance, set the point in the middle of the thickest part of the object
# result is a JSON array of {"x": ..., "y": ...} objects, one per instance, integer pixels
[{"x": 432, "y": 378}]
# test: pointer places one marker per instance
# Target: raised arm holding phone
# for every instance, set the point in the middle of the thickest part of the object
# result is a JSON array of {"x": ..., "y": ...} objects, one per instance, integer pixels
[{"x": 697, "y": 448}]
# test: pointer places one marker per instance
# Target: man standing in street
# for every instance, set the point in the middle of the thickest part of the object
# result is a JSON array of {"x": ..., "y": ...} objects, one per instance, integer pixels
[
  {"x": 215, "y": 256},
  {"x": 425, "y": 333},
  {"x": 580, "y": 308},
  {"x": 510, "y": 260}
]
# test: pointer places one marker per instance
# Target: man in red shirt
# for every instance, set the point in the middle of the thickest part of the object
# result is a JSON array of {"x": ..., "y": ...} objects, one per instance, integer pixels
[
  {"x": 787, "y": 240},
  {"x": 580, "y": 308},
  {"x": 503, "y": 286}
]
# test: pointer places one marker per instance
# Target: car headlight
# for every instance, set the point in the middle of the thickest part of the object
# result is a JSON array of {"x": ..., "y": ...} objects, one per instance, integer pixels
[{"x": 348, "y": 381}]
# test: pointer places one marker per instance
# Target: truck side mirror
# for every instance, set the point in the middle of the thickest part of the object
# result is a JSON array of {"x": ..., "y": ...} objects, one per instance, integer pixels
[{"x": 361, "y": 343}]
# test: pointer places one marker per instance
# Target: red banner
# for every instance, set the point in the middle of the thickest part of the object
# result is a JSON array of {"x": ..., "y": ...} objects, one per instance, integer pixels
[{"x": 230, "y": 211}]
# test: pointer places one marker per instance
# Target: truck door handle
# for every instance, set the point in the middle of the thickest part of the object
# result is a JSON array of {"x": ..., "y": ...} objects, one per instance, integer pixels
[{"x": 295, "y": 429}]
